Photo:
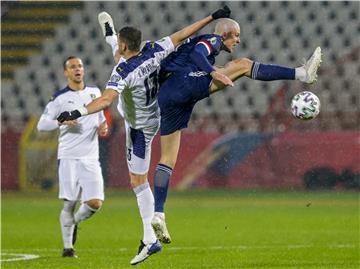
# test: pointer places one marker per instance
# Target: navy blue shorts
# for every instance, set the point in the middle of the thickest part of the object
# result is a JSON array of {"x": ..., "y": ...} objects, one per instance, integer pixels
[{"x": 177, "y": 98}]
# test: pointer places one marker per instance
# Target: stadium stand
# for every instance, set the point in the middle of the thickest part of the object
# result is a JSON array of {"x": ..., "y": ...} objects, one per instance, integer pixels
[
  {"x": 24, "y": 26},
  {"x": 284, "y": 32}
]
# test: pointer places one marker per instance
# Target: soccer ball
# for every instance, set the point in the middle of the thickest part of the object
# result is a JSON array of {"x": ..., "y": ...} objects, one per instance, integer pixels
[{"x": 305, "y": 105}]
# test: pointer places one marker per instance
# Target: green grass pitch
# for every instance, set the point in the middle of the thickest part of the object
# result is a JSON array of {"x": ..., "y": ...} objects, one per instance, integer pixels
[{"x": 218, "y": 229}]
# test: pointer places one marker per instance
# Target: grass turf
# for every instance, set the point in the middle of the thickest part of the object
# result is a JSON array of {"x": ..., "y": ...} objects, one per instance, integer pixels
[{"x": 217, "y": 229}]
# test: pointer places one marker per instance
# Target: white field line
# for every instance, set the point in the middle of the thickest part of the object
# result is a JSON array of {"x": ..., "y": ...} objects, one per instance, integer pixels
[
  {"x": 331, "y": 246},
  {"x": 18, "y": 257}
]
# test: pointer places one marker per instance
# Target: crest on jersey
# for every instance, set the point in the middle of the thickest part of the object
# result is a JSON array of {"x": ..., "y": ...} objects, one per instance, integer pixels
[
  {"x": 212, "y": 40},
  {"x": 118, "y": 69},
  {"x": 93, "y": 96},
  {"x": 115, "y": 78}
]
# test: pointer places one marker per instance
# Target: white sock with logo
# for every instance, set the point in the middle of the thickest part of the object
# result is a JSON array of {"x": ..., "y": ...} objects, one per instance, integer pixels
[{"x": 145, "y": 200}]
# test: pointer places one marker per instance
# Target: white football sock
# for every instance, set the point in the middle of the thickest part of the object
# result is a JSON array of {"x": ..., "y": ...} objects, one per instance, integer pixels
[
  {"x": 300, "y": 73},
  {"x": 67, "y": 223},
  {"x": 84, "y": 212},
  {"x": 161, "y": 215},
  {"x": 113, "y": 42},
  {"x": 145, "y": 200}
]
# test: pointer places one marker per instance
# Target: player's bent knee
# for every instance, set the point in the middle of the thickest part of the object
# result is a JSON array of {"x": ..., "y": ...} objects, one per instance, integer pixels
[
  {"x": 243, "y": 64},
  {"x": 95, "y": 203}
]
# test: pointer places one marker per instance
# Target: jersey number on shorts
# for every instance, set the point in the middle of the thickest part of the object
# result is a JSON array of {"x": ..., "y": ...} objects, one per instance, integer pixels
[{"x": 151, "y": 86}]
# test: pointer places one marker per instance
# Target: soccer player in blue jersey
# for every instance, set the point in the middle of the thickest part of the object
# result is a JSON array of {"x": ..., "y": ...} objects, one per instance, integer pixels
[
  {"x": 187, "y": 76},
  {"x": 134, "y": 83}
]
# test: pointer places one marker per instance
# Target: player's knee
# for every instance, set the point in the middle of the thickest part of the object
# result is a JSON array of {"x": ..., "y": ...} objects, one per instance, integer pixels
[
  {"x": 95, "y": 203},
  {"x": 137, "y": 180},
  {"x": 243, "y": 64},
  {"x": 169, "y": 161}
]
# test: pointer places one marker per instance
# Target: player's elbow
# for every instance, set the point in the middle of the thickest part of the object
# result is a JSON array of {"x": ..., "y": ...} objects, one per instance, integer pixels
[
  {"x": 42, "y": 127},
  {"x": 107, "y": 98},
  {"x": 106, "y": 101}
]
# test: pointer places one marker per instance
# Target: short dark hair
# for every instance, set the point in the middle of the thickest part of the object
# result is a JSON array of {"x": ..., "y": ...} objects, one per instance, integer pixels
[
  {"x": 69, "y": 58},
  {"x": 131, "y": 37}
]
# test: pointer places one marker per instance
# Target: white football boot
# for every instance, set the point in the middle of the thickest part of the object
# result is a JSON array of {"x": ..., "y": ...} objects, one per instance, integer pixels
[
  {"x": 106, "y": 24},
  {"x": 161, "y": 232},
  {"x": 311, "y": 66},
  {"x": 145, "y": 251}
]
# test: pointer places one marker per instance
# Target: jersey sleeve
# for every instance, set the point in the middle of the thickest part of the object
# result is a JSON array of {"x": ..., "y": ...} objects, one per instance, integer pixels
[
  {"x": 199, "y": 58},
  {"x": 116, "y": 82},
  {"x": 211, "y": 45},
  {"x": 48, "y": 120},
  {"x": 164, "y": 46}
]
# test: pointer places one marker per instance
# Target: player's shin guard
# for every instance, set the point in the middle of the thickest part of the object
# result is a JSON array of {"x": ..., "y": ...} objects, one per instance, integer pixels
[
  {"x": 145, "y": 200},
  {"x": 269, "y": 72},
  {"x": 161, "y": 185},
  {"x": 84, "y": 212},
  {"x": 67, "y": 223}
]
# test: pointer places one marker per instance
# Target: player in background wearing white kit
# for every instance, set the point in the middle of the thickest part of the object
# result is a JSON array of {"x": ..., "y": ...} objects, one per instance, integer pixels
[
  {"x": 79, "y": 169},
  {"x": 134, "y": 82}
]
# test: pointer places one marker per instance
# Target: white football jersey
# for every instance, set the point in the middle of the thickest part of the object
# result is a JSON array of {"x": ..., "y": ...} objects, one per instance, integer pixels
[
  {"x": 136, "y": 81},
  {"x": 80, "y": 141}
]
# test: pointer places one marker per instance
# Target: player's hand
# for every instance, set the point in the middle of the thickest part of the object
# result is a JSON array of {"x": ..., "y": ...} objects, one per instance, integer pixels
[
  {"x": 221, "y": 13},
  {"x": 70, "y": 123},
  {"x": 222, "y": 78},
  {"x": 103, "y": 130},
  {"x": 67, "y": 116}
]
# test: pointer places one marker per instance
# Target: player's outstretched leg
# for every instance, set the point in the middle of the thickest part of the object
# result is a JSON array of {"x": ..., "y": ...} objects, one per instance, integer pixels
[
  {"x": 145, "y": 250},
  {"x": 269, "y": 72},
  {"x": 108, "y": 30}
]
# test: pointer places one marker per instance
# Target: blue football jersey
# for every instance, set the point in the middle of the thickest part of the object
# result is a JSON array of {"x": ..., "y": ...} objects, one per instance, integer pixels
[{"x": 179, "y": 59}]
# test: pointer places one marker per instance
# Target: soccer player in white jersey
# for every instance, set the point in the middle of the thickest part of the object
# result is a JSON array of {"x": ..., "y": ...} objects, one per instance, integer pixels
[
  {"x": 79, "y": 169},
  {"x": 134, "y": 82}
]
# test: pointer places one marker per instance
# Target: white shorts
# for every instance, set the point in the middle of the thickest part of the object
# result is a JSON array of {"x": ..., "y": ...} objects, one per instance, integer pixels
[
  {"x": 80, "y": 180},
  {"x": 138, "y": 148}
]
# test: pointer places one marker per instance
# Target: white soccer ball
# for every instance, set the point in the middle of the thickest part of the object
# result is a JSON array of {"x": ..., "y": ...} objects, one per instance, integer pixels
[{"x": 305, "y": 105}]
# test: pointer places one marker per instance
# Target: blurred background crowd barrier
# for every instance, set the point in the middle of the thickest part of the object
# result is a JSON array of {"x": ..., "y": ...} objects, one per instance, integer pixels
[{"x": 243, "y": 137}]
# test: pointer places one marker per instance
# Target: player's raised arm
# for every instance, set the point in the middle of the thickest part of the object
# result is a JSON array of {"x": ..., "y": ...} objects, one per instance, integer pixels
[{"x": 186, "y": 32}]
